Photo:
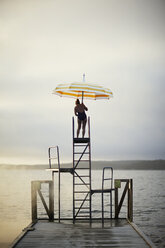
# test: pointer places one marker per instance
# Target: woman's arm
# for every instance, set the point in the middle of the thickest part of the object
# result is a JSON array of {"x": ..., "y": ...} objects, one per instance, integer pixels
[
  {"x": 85, "y": 108},
  {"x": 75, "y": 111}
]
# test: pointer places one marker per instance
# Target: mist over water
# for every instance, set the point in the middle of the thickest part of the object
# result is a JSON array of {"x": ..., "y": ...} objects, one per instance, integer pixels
[{"x": 15, "y": 198}]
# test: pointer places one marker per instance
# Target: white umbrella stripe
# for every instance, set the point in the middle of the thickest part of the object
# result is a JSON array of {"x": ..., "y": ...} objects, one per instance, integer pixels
[{"x": 83, "y": 90}]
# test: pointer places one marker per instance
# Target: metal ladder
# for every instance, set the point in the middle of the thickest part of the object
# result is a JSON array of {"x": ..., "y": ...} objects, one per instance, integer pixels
[
  {"x": 81, "y": 176},
  {"x": 108, "y": 189}
]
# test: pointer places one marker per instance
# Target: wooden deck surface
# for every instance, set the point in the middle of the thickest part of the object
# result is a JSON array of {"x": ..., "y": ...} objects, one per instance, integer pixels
[{"x": 50, "y": 234}]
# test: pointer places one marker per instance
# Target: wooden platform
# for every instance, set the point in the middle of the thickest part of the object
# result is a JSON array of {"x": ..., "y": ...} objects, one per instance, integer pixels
[
  {"x": 81, "y": 140},
  {"x": 93, "y": 191},
  {"x": 64, "y": 170},
  {"x": 115, "y": 233}
]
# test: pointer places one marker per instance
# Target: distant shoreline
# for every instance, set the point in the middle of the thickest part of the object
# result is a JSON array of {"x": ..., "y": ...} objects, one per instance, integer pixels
[{"x": 96, "y": 165}]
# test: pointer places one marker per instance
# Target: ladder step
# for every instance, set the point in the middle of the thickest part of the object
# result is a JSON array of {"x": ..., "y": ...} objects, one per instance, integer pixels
[
  {"x": 83, "y": 208},
  {"x": 82, "y": 212},
  {"x": 83, "y": 216},
  {"x": 82, "y": 176},
  {"x": 82, "y": 192},
  {"x": 82, "y": 160},
  {"x": 82, "y": 184},
  {"x": 81, "y": 153},
  {"x": 81, "y": 145},
  {"x": 82, "y": 200}
]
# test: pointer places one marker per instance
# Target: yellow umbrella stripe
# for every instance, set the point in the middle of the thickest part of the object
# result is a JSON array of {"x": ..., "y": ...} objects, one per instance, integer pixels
[
  {"x": 92, "y": 96},
  {"x": 62, "y": 93}
]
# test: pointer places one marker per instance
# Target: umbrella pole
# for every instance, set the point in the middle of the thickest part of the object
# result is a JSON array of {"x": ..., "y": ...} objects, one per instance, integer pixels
[
  {"x": 82, "y": 95},
  {"x": 83, "y": 82}
]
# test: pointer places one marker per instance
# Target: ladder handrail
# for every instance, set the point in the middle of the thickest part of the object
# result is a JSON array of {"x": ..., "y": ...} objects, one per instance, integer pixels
[
  {"x": 89, "y": 127},
  {"x": 59, "y": 177},
  {"x": 50, "y": 158},
  {"x": 73, "y": 127},
  {"x": 110, "y": 178}
]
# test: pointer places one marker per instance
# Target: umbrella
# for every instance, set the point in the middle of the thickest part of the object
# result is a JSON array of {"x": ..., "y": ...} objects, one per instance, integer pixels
[{"x": 83, "y": 90}]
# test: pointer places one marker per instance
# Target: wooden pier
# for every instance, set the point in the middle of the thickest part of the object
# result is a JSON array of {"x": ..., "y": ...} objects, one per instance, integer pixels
[
  {"x": 114, "y": 233},
  {"x": 82, "y": 230}
]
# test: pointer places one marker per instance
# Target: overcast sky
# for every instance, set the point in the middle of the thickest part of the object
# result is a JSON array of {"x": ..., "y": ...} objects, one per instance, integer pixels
[{"x": 118, "y": 44}]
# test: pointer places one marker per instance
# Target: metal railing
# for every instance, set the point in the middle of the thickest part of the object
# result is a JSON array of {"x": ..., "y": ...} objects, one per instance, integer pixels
[
  {"x": 110, "y": 188},
  {"x": 126, "y": 190}
]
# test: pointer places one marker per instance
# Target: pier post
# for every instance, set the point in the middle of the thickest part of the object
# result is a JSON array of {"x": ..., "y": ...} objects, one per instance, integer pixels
[
  {"x": 36, "y": 188},
  {"x": 130, "y": 200},
  {"x": 117, "y": 186},
  {"x": 127, "y": 189},
  {"x": 51, "y": 201}
]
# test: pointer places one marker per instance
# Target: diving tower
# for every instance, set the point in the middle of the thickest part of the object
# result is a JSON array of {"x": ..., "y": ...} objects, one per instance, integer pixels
[{"x": 81, "y": 172}]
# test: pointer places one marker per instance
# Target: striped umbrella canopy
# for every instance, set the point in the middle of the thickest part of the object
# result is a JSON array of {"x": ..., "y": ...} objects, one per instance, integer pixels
[{"x": 83, "y": 90}]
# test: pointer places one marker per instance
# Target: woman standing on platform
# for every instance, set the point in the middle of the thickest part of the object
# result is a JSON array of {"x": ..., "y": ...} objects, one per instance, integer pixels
[{"x": 79, "y": 111}]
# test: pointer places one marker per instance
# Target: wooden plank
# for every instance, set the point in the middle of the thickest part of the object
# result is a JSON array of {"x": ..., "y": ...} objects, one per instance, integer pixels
[{"x": 116, "y": 233}]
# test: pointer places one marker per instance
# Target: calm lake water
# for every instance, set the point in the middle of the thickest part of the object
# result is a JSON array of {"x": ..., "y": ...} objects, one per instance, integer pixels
[{"x": 15, "y": 200}]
